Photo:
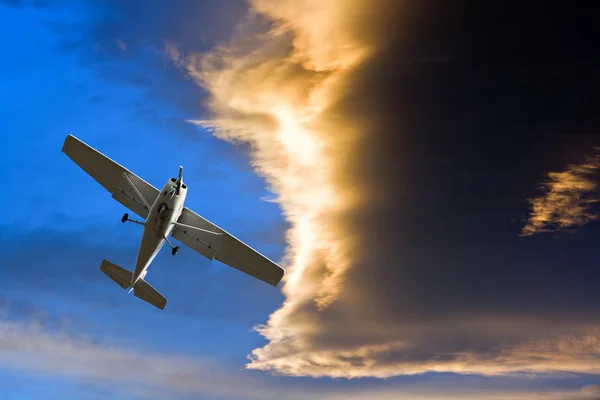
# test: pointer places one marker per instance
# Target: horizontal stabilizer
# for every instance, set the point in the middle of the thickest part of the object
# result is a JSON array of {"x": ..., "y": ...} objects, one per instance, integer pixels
[
  {"x": 144, "y": 291},
  {"x": 116, "y": 273}
]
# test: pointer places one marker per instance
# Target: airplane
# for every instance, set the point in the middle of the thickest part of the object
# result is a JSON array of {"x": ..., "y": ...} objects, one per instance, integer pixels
[{"x": 165, "y": 215}]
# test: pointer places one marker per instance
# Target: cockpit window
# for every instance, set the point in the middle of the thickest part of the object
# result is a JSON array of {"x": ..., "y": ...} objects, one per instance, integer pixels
[
  {"x": 164, "y": 193},
  {"x": 173, "y": 180}
]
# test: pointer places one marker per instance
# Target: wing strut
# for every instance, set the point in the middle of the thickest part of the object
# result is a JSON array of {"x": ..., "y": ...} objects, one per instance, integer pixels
[
  {"x": 178, "y": 228},
  {"x": 136, "y": 190},
  {"x": 180, "y": 225}
]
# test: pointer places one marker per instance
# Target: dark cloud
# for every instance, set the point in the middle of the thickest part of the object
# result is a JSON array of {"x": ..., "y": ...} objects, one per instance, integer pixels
[
  {"x": 454, "y": 147},
  {"x": 462, "y": 110},
  {"x": 452, "y": 150}
]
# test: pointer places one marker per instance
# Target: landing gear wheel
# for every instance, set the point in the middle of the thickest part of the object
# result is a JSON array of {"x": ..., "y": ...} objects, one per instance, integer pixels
[
  {"x": 175, "y": 250},
  {"x": 125, "y": 218}
]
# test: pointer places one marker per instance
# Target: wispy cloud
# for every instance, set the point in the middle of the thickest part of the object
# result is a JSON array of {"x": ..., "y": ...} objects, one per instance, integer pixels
[
  {"x": 30, "y": 347},
  {"x": 567, "y": 200}
]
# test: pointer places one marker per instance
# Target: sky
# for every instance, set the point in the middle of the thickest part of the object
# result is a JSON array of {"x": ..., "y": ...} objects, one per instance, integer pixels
[{"x": 426, "y": 172}]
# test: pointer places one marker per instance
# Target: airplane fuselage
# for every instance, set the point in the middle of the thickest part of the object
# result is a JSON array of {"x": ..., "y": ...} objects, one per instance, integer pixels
[{"x": 158, "y": 226}]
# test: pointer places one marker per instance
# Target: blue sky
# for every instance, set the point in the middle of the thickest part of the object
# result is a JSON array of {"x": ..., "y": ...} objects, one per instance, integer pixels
[
  {"x": 66, "y": 224},
  {"x": 66, "y": 330}
]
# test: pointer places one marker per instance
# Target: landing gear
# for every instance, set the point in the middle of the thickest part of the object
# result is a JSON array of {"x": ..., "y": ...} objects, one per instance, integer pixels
[
  {"x": 174, "y": 249},
  {"x": 126, "y": 218}
]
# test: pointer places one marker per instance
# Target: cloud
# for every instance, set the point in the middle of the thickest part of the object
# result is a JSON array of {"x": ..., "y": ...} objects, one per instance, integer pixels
[
  {"x": 276, "y": 99},
  {"x": 31, "y": 348},
  {"x": 557, "y": 354},
  {"x": 592, "y": 390},
  {"x": 396, "y": 143},
  {"x": 137, "y": 372},
  {"x": 568, "y": 199}
]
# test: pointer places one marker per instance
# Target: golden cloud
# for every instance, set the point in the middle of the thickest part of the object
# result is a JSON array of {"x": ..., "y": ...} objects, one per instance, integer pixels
[
  {"x": 273, "y": 89},
  {"x": 560, "y": 354},
  {"x": 567, "y": 200}
]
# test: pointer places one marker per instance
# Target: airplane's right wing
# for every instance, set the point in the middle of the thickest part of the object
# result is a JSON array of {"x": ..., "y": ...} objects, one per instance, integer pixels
[
  {"x": 224, "y": 247},
  {"x": 126, "y": 187}
]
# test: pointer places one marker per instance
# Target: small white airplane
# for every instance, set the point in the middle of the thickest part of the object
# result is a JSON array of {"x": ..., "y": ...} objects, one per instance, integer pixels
[{"x": 165, "y": 215}]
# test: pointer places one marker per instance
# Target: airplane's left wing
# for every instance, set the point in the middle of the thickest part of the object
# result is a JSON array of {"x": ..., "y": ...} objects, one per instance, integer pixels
[
  {"x": 125, "y": 187},
  {"x": 211, "y": 241}
]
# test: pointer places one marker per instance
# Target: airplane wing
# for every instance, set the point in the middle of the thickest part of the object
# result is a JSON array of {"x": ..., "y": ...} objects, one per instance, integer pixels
[
  {"x": 125, "y": 187},
  {"x": 224, "y": 247}
]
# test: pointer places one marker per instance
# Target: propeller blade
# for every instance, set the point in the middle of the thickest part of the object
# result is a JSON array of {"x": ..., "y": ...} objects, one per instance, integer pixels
[{"x": 179, "y": 180}]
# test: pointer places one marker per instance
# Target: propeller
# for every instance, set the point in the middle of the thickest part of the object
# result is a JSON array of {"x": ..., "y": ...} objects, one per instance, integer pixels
[{"x": 179, "y": 180}]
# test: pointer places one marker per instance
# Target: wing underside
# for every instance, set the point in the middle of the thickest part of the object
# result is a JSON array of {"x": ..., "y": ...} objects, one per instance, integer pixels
[
  {"x": 225, "y": 247},
  {"x": 125, "y": 187}
]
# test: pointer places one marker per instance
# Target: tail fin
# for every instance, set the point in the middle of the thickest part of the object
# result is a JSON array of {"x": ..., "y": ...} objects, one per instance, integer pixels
[{"x": 142, "y": 289}]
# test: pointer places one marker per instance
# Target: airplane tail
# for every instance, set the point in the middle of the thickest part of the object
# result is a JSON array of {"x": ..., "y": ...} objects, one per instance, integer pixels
[{"x": 142, "y": 289}]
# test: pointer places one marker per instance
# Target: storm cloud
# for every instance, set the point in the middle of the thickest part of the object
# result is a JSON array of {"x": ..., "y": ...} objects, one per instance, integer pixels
[{"x": 402, "y": 142}]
